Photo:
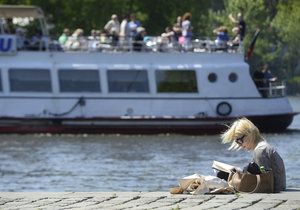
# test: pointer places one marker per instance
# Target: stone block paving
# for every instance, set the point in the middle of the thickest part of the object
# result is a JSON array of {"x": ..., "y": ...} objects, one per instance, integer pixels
[{"x": 146, "y": 200}]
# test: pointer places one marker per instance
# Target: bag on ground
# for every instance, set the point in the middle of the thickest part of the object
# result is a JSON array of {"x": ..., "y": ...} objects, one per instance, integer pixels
[{"x": 252, "y": 183}]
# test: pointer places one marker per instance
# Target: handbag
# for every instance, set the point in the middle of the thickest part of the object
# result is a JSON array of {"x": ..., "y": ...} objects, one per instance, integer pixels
[{"x": 252, "y": 183}]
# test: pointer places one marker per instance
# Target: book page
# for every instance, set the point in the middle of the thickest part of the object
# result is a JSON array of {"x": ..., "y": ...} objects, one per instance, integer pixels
[{"x": 222, "y": 166}]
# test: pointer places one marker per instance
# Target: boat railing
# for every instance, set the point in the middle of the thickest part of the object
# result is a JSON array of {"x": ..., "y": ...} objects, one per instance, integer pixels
[
  {"x": 149, "y": 44},
  {"x": 107, "y": 43},
  {"x": 273, "y": 89}
]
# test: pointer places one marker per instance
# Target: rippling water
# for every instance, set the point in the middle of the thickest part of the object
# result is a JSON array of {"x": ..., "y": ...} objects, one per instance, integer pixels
[{"x": 125, "y": 162}]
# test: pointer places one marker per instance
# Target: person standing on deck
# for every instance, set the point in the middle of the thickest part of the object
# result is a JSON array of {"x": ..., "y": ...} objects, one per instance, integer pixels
[
  {"x": 187, "y": 30},
  {"x": 112, "y": 29},
  {"x": 124, "y": 35},
  {"x": 240, "y": 23}
]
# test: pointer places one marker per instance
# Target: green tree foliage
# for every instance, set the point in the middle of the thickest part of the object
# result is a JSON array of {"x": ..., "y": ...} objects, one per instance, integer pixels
[{"x": 286, "y": 24}]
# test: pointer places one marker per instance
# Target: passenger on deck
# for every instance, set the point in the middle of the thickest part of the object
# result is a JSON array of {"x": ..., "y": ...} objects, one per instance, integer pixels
[
  {"x": 112, "y": 29},
  {"x": 93, "y": 40},
  {"x": 124, "y": 35},
  {"x": 76, "y": 41},
  {"x": 235, "y": 42},
  {"x": 177, "y": 28},
  {"x": 267, "y": 73},
  {"x": 64, "y": 37},
  {"x": 138, "y": 43},
  {"x": 240, "y": 24},
  {"x": 133, "y": 25},
  {"x": 167, "y": 38},
  {"x": 22, "y": 41},
  {"x": 222, "y": 37},
  {"x": 37, "y": 42},
  {"x": 103, "y": 37},
  {"x": 262, "y": 78},
  {"x": 94, "y": 35},
  {"x": 187, "y": 31}
]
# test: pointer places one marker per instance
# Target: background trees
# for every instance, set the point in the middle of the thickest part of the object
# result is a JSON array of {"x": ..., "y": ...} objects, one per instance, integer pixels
[{"x": 278, "y": 43}]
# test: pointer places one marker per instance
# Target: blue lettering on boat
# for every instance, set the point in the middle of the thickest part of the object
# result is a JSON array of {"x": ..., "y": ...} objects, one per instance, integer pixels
[{"x": 5, "y": 44}]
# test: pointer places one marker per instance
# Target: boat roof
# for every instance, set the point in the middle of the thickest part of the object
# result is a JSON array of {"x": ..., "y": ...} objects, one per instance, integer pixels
[{"x": 11, "y": 11}]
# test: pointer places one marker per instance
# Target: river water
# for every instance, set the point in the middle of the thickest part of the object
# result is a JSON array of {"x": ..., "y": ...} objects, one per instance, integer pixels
[{"x": 126, "y": 162}]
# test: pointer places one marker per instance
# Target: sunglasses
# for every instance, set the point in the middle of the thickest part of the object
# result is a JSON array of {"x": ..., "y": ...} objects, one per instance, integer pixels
[{"x": 240, "y": 140}]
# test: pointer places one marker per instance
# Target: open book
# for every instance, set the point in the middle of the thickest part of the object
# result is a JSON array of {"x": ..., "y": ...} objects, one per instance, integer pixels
[{"x": 222, "y": 166}]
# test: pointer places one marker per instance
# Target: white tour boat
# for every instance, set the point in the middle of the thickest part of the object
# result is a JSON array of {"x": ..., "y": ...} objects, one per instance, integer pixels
[{"x": 115, "y": 91}]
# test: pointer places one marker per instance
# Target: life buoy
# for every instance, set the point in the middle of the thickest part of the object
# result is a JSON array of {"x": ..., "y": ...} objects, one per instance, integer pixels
[{"x": 224, "y": 108}]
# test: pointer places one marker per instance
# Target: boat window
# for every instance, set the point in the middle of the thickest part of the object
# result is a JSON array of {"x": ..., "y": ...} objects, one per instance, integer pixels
[
  {"x": 232, "y": 77},
  {"x": 30, "y": 80},
  {"x": 212, "y": 77},
  {"x": 86, "y": 80},
  {"x": 128, "y": 81},
  {"x": 176, "y": 81}
]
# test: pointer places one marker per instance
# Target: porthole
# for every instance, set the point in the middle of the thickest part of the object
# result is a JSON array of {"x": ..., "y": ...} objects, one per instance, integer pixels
[
  {"x": 212, "y": 77},
  {"x": 224, "y": 109},
  {"x": 232, "y": 77}
]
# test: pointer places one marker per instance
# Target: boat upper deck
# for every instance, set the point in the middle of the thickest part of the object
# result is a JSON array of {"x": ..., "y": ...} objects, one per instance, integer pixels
[{"x": 14, "y": 19}]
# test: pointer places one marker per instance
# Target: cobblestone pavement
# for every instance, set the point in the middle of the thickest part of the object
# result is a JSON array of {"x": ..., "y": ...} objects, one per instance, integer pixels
[{"x": 146, "y": 200}]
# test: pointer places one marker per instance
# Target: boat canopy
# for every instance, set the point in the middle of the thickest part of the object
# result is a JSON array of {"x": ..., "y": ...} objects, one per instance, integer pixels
[
  {"x": 11, "y": 11},
  {"x": 22, "y": 11}
]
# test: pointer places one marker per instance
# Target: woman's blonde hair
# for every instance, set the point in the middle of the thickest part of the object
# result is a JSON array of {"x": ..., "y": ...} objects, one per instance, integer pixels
[{"x": 239, "y": 128}]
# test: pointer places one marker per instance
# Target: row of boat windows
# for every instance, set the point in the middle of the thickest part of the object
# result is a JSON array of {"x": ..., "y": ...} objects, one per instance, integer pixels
[{"x": 167, "y": 81}]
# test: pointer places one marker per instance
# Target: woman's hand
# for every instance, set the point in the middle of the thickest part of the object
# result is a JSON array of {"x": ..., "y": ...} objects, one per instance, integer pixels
[{"x": 236, "y": 169}]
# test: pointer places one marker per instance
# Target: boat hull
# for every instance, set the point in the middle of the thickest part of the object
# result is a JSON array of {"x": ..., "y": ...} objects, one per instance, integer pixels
[{"x": 139, "y": 125}]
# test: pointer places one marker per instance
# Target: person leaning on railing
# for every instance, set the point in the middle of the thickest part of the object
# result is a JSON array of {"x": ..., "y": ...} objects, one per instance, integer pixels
[
  {"x": 267, "y": 74},
  {"x": 263, "y": 78}
]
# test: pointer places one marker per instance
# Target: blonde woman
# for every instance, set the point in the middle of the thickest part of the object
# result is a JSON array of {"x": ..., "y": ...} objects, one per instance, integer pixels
[{"x": 244, "y": 134}]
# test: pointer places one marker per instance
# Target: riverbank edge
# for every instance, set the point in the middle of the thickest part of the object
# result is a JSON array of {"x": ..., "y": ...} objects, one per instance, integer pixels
[{"x": 289, "y": 199}]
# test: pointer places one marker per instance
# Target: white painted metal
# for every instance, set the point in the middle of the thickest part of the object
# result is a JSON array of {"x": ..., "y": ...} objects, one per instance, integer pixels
[{"x": 242, "y": 95}]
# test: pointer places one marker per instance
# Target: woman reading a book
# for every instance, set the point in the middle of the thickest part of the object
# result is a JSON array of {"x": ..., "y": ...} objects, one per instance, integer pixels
[{"x": 244, "y": 134}]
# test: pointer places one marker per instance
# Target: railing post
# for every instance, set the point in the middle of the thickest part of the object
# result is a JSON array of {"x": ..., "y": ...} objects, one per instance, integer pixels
[{"x": 270, "y": 89}]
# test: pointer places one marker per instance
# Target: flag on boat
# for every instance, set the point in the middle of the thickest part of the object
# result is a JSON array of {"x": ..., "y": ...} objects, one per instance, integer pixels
[{"x": 252, "y": 45}]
